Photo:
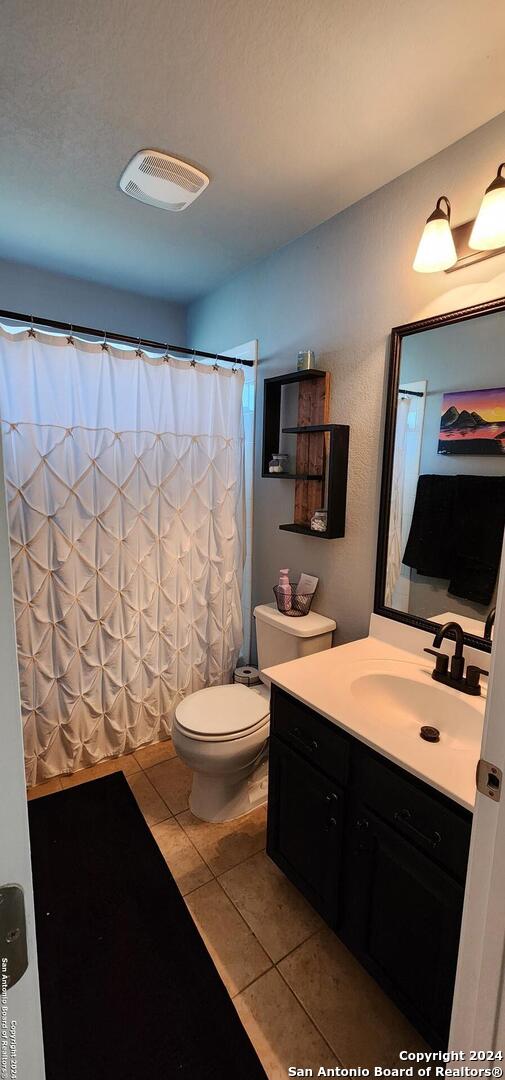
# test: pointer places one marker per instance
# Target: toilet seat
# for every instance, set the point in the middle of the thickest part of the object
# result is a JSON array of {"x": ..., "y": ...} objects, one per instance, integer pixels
[{"x": 222, "y": 713}]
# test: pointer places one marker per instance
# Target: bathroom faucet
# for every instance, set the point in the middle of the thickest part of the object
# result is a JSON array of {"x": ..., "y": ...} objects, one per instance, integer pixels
[
  {"x": 489, "y": 624},
  {"x": 455, "y": 676}
]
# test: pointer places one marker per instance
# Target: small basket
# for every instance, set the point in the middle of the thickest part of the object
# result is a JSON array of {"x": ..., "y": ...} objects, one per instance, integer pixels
[{"x": 295, "y": 604}]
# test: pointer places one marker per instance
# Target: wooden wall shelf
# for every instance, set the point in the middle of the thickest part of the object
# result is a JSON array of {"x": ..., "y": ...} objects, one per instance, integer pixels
[{"x": 321, "y": 451}]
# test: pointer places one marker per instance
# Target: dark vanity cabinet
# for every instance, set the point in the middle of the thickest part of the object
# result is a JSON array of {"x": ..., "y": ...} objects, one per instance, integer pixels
[
  {"x": 379, "y": 854},
  {"x": 307, "y": 828}
]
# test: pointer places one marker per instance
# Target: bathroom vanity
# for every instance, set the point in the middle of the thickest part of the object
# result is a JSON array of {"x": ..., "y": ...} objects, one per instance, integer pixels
[
  {"x": 370, "y": 822},
  {"x": 379, "y": 854}
]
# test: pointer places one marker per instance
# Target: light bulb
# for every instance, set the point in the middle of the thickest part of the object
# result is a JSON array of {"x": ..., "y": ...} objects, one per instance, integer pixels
[
  {"x": 489, "y": 226},
  {"x": 436, "y": 249}
]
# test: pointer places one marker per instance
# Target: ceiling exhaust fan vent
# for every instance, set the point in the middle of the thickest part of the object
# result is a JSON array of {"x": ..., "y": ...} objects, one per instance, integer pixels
[{"x": 163, "y": 181}]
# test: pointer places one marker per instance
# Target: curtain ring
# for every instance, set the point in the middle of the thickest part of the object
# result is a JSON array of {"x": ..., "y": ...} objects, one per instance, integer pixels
[
  {"x": 215, "y": 366},
  {"x": 138, "y": 350},
  {"x": 105, "y": 346},
  {"x": 31, "y": 332},
  {"x": 70, "y": 338},
  {"x": 192, "y": 362},
  {"x": 166, "y": 358}
]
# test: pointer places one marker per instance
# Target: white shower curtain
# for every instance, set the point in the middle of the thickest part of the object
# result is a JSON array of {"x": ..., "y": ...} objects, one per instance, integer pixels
[
  {"x": 395, "y": 545},
  {"x": 124, "y": 479}
]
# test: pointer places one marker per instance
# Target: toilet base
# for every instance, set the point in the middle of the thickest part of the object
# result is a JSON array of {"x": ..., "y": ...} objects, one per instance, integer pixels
[{"x": 216, "y": 798}]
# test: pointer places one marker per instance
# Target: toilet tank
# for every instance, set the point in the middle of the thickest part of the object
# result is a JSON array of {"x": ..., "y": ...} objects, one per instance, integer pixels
[{"x": 286, "y": 637}]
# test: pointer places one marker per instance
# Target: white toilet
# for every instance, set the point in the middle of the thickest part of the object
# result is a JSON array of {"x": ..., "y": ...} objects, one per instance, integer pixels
[{"x": 221, "y": 732}]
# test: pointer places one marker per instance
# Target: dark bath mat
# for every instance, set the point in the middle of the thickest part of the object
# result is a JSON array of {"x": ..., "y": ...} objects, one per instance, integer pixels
[{"x": 128, "y": 989}]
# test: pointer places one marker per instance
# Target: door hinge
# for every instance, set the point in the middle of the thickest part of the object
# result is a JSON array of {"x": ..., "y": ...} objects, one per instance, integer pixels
[
  {"x": 489, "y": 779},
  {"x": 13, "y": 948}
]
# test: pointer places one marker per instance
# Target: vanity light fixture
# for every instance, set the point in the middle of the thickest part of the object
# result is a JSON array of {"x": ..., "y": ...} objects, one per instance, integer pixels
[
  {"x": 436, "y": 250},
  {"x": 443, "y": 247},
  {"x": 488, "y": 231}
]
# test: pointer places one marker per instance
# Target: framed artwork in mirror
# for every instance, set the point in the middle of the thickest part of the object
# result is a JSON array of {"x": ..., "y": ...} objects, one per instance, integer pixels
[
  {"x": 442, "y": 506},
  {"x": 473, "y": 422}
]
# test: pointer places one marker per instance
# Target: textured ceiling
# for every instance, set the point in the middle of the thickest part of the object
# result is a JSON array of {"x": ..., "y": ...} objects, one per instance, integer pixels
[{"x": 296, "y": 109}]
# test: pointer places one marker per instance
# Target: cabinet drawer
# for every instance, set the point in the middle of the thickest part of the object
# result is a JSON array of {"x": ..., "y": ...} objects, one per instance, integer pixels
[
  {"x": 423, "y": 818},
  {"x": 320, "y": 742}
]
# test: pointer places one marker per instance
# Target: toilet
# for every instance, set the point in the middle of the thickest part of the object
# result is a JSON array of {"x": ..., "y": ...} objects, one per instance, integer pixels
[{"x": 222, "y": 732}]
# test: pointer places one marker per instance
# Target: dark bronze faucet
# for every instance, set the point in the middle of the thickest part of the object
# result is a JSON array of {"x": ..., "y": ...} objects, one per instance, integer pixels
[
  {"x": 489, "y": 624},
  {"x": 455, "y": 675}
]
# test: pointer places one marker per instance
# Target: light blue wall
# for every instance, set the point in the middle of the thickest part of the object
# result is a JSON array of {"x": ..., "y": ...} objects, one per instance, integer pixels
[
  {"x": 339, "y": 289},
  {"x": 30, "y": 290}
]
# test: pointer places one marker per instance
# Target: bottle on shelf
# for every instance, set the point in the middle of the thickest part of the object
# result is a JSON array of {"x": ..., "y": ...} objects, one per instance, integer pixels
[{"x": 284, "y": 592}]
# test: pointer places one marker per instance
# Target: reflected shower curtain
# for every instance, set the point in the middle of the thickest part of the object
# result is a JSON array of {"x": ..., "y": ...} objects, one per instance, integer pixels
[
  {"x": 124, "y": 478},
  {"x": 395, "y": 548}
]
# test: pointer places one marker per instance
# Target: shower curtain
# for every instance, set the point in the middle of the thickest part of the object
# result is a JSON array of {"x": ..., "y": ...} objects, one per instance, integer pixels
[
  {"x": 395, "y": 548},
  {"x": 124, "y": 477}
]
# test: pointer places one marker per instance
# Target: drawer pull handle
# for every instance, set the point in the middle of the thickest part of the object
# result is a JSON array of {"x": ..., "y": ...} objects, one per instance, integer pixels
[
  {"x": 308, "y": 744},
  {"x": 404, "y": 818}
]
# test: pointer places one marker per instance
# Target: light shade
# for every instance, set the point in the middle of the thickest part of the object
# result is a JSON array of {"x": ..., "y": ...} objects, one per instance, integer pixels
[
  {"x": 489, "y": 227},
  {"x": 436, "y": 249}
]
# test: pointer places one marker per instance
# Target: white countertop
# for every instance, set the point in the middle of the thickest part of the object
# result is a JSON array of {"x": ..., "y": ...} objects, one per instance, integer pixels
[
  {"x": 324, "y": 682},
  {"x": 470, "y": 626}
]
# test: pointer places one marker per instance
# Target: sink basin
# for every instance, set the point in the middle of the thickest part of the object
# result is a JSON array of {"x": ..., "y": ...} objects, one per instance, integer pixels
[
  {"x": 383, "y": 695},
  {"x": 407, "y": 699}
]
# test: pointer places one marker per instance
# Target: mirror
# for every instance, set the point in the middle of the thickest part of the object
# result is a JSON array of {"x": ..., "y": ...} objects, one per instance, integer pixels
[{"x": 442, "y": 512}]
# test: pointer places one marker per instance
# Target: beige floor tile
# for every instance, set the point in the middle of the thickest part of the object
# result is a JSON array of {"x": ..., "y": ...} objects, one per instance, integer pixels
[
  {"x": 360, "y": 1023},
  {"x": 126, "y": 764},
  {"x": 173, "y": 781},
  {"x": 273, "y": 908},
  {"x": 154, "y": 753},
  {"x": 223, "y": 844},
  {"x": 278, "y": 1028},
  {"x": 235, "y": 951},
  {"x": 148, "y": 799},
  {"x": 183, "y": 860},
  {"x": 47, "y": 787}
]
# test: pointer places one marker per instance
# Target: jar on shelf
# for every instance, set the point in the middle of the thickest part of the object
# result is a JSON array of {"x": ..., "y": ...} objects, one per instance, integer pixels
[
  {"x": 278, "y": 463},
  {"x": 306, "y": 360},
  {"x": 319, "y": 521}
]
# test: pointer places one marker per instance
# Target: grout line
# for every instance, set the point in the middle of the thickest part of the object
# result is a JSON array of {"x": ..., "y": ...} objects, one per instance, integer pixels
[
  {"x": 174, "y": 817},
  {"x": 300, "y": 943},
  {"x": 244, "y": 920},
  {"x": 249, "y": 927},
  {"x": 257, "y": 977},
  {"x": 202, "y": 856},
  {"x": 307, "y": 1013},
  {"x": 253, "y": 981},
  {"x": 156, "y": 792},
  {"x": 154, "y": 823}
]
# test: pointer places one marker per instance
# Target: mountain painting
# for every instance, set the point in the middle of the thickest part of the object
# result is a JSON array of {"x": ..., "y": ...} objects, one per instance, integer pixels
[{"x": 473, "y": 422}]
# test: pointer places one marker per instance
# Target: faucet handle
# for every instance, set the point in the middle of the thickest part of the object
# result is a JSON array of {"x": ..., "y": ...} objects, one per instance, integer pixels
[
  {"x": 473, "y": 674},
  {"x": 442, "y": 664}
]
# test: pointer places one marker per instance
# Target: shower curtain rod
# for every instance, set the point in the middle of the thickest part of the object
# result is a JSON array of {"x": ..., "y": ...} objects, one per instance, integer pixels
[{"x": 107, "y": 335}]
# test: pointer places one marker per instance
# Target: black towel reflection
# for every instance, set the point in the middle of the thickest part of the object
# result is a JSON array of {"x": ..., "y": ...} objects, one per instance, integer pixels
[{"x": 457, "y": 532}]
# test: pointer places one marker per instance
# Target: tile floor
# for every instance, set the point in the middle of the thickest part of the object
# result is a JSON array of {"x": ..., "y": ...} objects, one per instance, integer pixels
[{"x": 302, "y": 997}]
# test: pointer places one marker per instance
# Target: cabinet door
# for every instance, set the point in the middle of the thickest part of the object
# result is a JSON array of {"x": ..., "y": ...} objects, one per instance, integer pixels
[
  {"x": 305, "y": 817},
  {"x": 402, "y": 918}
]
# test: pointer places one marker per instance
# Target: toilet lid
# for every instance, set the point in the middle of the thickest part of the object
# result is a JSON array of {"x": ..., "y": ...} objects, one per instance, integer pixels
[{"x": 222, "y": 710}]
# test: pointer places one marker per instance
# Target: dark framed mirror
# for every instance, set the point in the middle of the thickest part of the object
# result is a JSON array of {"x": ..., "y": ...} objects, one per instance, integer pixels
[{"x": 442, "y": 505}]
